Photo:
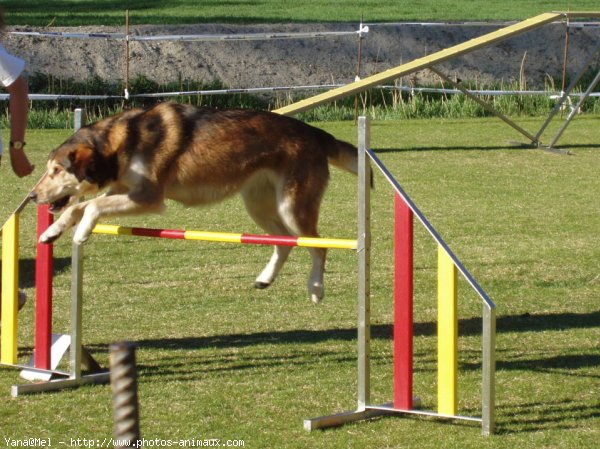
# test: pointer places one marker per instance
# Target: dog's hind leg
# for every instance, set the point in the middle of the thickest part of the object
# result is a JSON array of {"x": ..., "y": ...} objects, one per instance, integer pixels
[
  {"x": 299, "y": 211},
  {"x": 262, "y": 208},
  {"x": 289, "y": 206},
  {"x": 271, "y": 270}
]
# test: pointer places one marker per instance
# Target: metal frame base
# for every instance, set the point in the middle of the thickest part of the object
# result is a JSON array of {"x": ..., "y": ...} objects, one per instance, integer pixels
[
  {"x": 60, "y": 384},
  {"x": 374, "y": 411},
  {"x": 324, "y": 422},
  {"x": 53, "y": 380}
]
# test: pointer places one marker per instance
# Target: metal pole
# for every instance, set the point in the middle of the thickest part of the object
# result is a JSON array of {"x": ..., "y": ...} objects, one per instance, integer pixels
[
  {"x": 575, "y": 110},
  {"x": 485, "y": 106},
  {"x": 127, "y": 57},
  {"x": 566, "y": 93},
  {"x": 488, "y": 370},
  {"x": 565, "y": 56},
  {"x": 75, "y": 352},
  {"x": 364, "y": 286},
  {"x": 364, "y": 264},
  {"x": 76, "y": 310},
  {"x": 358, "y": 63},
  {"x": 123, "y": 380}
]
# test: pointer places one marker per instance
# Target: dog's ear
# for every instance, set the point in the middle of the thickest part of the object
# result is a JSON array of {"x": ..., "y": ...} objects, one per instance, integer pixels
[
  {"x": 82, "y": 162},
  {"x": 92, "y": 166}
]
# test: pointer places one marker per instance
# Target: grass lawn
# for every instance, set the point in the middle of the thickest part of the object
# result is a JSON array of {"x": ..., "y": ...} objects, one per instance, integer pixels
[
  {"x": 219, "y": 359},
  {"x": 91, "y": 12}
]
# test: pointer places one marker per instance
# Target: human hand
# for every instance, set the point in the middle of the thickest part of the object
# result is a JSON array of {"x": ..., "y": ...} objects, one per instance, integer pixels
[{"x": 20, "y": 164}]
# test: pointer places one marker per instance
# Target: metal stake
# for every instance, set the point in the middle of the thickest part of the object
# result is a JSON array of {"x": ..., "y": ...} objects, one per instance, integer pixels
[{"x": 123, "y": 380}]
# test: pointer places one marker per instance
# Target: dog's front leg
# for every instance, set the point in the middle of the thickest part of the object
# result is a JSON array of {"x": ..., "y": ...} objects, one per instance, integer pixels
[
  {"x": 110, "y": 205},
  {"x": 85, "y": 227},
  {"x": 67, "y": 219}
]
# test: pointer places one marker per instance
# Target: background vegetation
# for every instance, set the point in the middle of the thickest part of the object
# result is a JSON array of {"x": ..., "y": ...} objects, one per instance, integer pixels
[{"x": 380, "y": 104}]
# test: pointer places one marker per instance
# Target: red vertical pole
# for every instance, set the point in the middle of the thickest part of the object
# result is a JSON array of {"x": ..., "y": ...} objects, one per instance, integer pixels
[
  {"x": 403, "y": 299},
  {"x": 44, "y": 268}
]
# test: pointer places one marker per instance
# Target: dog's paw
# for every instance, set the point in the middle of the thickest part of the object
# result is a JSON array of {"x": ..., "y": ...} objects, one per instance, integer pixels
[
  {"x": 316, "y": 292},
  {"x": 51, "y": 234},
  {"x": 261, "y": 285},
  {"x": 80, "y": 237}
]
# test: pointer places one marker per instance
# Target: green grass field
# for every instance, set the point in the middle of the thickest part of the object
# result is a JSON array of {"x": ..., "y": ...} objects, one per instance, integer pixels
[
  {"x": 219, "y": 359},
  {"x": 88, "y": 12}
]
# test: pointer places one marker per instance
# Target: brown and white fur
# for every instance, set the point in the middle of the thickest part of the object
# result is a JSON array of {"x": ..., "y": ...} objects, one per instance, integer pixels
[{"x": 195, "y": 156}]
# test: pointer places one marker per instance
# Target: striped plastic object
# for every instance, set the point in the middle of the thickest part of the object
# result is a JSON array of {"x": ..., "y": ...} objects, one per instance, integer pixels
[{"x": 281, "y": 240}]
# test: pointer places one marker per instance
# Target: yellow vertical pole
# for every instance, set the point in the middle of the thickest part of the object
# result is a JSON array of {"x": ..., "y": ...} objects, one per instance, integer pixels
[
  {"x": 447, "y": 334},
  {"x": 10, "y": 290}
]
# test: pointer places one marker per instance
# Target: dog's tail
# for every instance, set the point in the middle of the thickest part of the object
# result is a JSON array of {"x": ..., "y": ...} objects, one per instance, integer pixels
[{"x": 345, "y": 156}]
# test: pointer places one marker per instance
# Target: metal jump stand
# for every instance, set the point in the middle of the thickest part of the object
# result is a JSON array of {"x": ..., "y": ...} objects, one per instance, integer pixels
[
  {"x": 366, "y": 410},
  {"x": 53, "y": 379},
  {"x": 78, "y": 355}
]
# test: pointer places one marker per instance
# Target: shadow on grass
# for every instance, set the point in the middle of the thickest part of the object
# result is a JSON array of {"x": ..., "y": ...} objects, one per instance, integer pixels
[
  {"x": 27, "y": 270},
  {"x": 529, "y": 416},
  {"x": 467, "y": 327},
  {"x": 180, "y": 360}
]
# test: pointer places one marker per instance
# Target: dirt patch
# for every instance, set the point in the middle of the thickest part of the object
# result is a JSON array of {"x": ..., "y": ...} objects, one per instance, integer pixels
[{"x": 531, "y": 57}]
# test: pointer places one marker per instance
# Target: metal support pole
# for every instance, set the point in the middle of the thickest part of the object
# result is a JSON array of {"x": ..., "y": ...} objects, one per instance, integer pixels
[
  {"x": 364, "y": 265},
  {"x": 79, "y": 119},
  {"x": 575, "y": 110},
  {"x": 127, "y": 55},
  {"x": 76, "y": 286},
  {"x": 366, "y": 410},
  {"x": 488, "y": 370},
  {"x": 486, "y": 106},
  {"x": 77, "y": 354},
  {"x": 76, "y": 310},
  {"x": 364, "y": 285},
  {"x": 565, "y": 94}
]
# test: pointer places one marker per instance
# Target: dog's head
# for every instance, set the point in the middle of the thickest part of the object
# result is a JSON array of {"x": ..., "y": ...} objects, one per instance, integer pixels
[{"x": 75, "y": 169}]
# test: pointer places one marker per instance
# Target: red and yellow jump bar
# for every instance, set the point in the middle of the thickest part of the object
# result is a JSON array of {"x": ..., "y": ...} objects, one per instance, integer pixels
[{"x": 281, "y": 240}]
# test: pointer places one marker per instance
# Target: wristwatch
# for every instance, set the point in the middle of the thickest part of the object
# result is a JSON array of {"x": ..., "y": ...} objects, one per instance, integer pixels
[{"x": 17, "y": 145}]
